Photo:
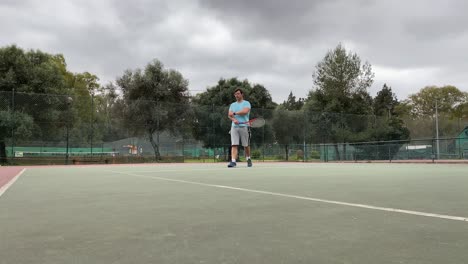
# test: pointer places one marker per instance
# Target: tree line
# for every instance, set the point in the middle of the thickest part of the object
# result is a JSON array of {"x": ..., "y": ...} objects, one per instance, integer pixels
[{"x": 41, "y": 99}]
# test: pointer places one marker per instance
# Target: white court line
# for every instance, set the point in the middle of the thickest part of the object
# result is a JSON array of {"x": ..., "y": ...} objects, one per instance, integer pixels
[
  {"x": 10, "y": 183},
  {"x": 221, "y": 169},
  {"x": 387, "y": 209}
]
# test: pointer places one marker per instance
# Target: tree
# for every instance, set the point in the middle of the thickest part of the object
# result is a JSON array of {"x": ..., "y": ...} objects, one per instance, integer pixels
[
  {"x": 340, "y": 97},
  {"x": 388, "y": 126},
  {"x": 448, "y": 98},
  {"x": 23, "y": 126},
  {"x": 35, "y": 82},
  {"x": 211, "y": 125},
  {"x": 110, "y": 110},
  {"x": 292, "y": 104},
  {"x": 288, "y": 123},
  {"x": 156, "y": 100},
  {"x": 385, "y": 102},
  {"x": 288, "y": 127},
  {"x": 82, "y": 117},
  {"x": 339, "y": 77},
  {"x": 88, "y": 97},
  {"x": 450, "y": 102},
  {"x": 461, "y": 110}
]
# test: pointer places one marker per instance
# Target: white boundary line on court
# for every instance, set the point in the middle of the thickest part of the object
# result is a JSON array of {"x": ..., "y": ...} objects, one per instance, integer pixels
[
  {"x": 217, "y": 169},
  {"x": 10, "y": 183},
  {"x": 387, "y": 209}
]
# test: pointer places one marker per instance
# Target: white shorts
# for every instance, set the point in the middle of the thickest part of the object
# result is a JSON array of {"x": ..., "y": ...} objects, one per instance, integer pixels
[{"x": 240, "y": 134}]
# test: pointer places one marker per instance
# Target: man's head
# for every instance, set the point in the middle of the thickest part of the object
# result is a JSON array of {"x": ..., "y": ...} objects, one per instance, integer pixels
[{"x": 239, "y": 94}]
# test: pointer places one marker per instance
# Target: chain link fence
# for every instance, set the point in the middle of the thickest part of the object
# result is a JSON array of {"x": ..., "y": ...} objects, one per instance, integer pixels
[{"x": 70, "y": 129}]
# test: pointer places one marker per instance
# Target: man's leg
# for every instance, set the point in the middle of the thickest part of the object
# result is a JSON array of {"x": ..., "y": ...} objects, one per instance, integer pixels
[
  {"x": 232, "y": 163},
  {"x": 246, "y": 138},
  {"x": 247, "y": 155},
  {"x": 247, "y": 152},
  {"x": 234, "y": 152}
]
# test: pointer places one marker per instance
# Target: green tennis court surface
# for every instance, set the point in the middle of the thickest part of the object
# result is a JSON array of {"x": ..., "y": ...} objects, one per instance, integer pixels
[{"x": 271, "y": 213}]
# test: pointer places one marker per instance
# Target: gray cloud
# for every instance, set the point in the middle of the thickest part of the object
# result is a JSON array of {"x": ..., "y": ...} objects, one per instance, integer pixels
[{"x": 274, "y": 43}]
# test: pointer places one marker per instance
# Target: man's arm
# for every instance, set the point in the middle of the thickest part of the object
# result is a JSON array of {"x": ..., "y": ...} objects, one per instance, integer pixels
[
  {"x": 231, "y": 116},
  {"x": 244, "y": 111}
]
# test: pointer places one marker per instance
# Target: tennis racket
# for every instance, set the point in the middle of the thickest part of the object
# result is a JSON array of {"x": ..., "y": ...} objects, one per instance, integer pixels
[{"x": 256, "y": 122}]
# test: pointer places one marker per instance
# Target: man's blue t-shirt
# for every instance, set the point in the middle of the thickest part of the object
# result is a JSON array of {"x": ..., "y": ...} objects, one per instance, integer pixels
[{"x": 236, "y": 107}]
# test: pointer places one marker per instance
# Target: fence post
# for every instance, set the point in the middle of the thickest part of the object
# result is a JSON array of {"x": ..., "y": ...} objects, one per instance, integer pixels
[
  {"x": 355, "y": 154},
  {"x": 263, "y": 136},
  {"x": 67, "y": 155},
  {"x": 460, "y": 154},
  {"x": 13, "y": 126},
  {"x": 92, "y": 122},
  {"x": 304, "y": 139},
  {"x": 407, "y": 150},
  {"x": 183, "y": 147},
  {"x": 213, "y": 133},
  {"x": 433, "y": 154},
  {"x": 389, "y": 153}
]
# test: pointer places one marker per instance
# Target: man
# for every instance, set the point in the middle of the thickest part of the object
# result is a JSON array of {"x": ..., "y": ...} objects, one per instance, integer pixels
[{"x": 239, "y": 113}]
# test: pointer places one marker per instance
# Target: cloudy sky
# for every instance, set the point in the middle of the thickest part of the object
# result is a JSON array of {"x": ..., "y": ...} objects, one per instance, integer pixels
[{"x": 410, "y": 44}]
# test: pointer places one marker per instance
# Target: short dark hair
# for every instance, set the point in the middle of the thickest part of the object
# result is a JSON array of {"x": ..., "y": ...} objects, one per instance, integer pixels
[{"x": 240, "y": 90}]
